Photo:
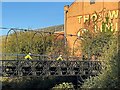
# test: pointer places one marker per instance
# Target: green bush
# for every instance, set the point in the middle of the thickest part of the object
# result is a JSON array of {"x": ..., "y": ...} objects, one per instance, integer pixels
[
  {"x": 63, "y": 86},
  {"x": 105, "y": 44},
  {"x": 41, "y": 83},
  {"x": 109, "y": 76}
]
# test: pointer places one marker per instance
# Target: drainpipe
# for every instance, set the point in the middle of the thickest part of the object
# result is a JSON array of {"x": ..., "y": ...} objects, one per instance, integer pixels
[{"x": 66, "y": 7}]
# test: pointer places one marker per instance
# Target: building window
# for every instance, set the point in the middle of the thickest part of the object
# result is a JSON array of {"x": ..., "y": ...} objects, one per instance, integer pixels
[{"x": 92, "y": 1}]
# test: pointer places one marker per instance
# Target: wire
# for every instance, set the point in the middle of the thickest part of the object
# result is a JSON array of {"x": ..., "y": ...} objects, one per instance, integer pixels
[
  {"x": 15, "y": 29},
  {"x": 4, "y": 28}
]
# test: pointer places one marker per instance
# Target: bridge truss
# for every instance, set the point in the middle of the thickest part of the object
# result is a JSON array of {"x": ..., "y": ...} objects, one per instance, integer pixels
[{"x": 37, "y": 68}]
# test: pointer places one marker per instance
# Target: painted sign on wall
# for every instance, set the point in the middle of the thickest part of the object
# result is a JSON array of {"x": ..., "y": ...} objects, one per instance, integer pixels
[{"x": 97, "y": 19}]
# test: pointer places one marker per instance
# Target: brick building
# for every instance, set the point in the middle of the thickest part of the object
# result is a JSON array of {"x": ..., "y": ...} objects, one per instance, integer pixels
[{"x": 79, "y": 17}]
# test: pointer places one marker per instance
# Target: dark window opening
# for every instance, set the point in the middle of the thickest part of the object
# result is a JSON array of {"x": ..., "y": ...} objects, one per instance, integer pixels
[{"x": 92, "y": 1}]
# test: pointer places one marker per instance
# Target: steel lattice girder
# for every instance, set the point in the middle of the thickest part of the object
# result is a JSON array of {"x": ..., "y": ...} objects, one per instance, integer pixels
[{"x": 48, "y": 68}]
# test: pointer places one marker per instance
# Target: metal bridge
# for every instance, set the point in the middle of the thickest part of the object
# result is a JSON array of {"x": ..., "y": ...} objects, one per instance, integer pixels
[
  {"x": 13, "y": 65},
  {"x": 37, "y": 68}
]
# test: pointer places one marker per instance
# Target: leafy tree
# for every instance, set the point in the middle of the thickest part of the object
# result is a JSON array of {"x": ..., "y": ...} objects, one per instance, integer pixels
[
  {"x": 109, "y": 76},
  {"x": 93, "y": 43},
  {"x": 36, "y": 42},
  {"x": 105, "y": 45}
]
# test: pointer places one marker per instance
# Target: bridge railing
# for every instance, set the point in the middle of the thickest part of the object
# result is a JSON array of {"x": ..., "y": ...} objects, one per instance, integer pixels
[
  {"x": 12, "y": 56},
  {"x": 20, "y": 68},
  {"x": 9, "y": 56}
]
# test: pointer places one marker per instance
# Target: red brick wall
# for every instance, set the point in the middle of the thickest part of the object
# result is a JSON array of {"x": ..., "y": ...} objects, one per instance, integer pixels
[{"x": 79, "y": 11}]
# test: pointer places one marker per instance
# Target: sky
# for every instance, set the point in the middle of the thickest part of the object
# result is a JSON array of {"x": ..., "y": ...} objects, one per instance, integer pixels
[{"x": 32, "y": 15}]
